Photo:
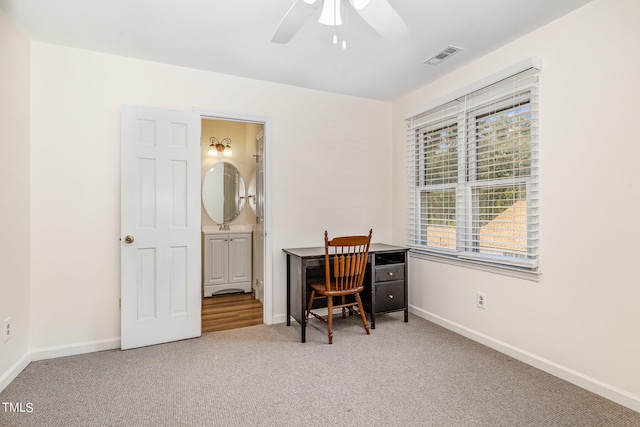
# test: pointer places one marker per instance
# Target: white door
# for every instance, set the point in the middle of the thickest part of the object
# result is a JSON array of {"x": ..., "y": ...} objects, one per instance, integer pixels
[
  {"x": 160, "y": 226},
  {"x": 260, "y": 230}
]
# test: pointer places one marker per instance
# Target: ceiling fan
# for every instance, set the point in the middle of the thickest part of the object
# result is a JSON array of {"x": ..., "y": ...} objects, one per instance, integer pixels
[{"x": 377, "y": 13}]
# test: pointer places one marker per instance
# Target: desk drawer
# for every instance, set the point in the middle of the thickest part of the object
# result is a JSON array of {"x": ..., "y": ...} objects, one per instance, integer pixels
[
  {"x": 389, "y": 272},
  {"x": 390, "y": 296}
]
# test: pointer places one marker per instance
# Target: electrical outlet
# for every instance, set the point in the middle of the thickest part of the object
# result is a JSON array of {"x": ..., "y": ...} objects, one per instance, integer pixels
[
  {"x": 481, "y": 300},
  {"x": 6, "y": 329}
]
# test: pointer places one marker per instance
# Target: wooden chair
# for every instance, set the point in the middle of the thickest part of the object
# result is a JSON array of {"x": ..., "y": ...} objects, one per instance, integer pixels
[{"x": 345, "y": 266}]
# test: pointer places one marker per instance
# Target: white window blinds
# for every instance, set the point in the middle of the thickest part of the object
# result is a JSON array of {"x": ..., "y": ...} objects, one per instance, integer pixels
[{"x": 473, "y": 166}]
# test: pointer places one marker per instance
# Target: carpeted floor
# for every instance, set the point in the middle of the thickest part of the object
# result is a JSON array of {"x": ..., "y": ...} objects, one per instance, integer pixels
[{"x": 403, "y": 374}]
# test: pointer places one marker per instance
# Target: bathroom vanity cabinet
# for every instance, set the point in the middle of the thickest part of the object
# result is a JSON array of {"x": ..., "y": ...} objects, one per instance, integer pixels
[{"x": 227, "y": 262}]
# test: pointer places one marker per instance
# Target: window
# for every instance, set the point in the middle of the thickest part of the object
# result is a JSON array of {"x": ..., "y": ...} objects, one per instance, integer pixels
[{"x": 473, "y": 165}]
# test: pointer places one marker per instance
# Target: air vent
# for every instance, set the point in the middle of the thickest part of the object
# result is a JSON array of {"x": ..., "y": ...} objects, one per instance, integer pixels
[{"x": 442, "y": 55}]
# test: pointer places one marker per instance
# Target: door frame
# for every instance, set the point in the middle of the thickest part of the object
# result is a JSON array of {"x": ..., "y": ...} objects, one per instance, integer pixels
[{"x": 265, "y": 121}]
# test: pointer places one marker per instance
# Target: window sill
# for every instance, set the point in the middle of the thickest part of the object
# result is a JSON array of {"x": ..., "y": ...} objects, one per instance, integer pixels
[{"x": 520, "y": 273}]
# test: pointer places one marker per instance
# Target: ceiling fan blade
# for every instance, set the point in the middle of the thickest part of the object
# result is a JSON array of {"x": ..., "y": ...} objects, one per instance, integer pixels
[
  {"x": 382, "y": 17},
  {"x": 294, "y": 19}
]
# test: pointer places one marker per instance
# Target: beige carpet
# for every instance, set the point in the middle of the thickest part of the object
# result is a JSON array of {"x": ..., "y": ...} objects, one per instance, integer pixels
[{"x": 403, "y": 374}]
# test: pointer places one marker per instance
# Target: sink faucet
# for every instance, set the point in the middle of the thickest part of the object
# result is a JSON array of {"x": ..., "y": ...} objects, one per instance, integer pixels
[{"x": 224, "y": 227}]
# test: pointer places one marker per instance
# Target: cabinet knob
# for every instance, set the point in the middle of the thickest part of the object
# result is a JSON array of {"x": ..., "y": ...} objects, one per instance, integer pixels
[
  {"x": 129, "y": 239},
  {"x": 390, "y": 296},
  {"x": 391, "y": 273}
]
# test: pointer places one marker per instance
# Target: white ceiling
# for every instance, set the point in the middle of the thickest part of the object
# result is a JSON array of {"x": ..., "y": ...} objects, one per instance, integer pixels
[{"x": 234, "y": 37}]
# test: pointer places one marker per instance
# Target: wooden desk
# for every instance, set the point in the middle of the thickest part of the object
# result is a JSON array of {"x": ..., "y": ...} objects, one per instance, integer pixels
[{"x": 385, "y": 283}]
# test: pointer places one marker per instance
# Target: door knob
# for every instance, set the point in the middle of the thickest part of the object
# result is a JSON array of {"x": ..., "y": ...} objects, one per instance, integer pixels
[{"x": 129, "y": 239}]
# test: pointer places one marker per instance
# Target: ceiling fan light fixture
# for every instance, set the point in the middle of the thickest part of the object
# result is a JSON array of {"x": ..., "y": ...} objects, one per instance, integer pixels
[
  {"x": 379, "y": 14},
  {"x": 330, "y": 14}
]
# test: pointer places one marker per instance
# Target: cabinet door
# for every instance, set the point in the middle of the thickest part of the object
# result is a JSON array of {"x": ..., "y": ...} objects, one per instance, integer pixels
[
  {"x": 240, "y": 264},
  {"x": 216, "y": 265}
]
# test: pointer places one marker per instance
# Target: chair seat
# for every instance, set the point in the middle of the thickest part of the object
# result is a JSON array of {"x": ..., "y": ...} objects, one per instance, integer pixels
[{"x": 321, "y": 288}]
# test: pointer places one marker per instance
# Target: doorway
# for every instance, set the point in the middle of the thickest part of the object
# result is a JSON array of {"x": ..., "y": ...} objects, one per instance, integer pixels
[{"x": 247, "y": 139}]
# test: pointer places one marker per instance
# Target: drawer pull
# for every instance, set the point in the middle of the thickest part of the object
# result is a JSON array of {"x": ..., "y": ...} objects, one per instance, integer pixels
[
  {"x": 390, "y": 296},
  {"x": 391, "y": 274}
]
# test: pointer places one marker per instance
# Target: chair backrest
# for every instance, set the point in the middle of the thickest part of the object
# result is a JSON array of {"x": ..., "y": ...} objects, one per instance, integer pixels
[{"x": 349, "y": 263}]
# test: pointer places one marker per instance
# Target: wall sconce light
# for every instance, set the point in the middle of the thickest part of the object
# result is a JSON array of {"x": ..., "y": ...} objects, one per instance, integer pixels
[{"x": 218, "y": 147}]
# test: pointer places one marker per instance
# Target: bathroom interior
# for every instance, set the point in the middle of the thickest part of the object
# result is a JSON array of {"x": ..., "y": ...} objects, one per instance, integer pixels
[{"x": 232, "y": 224}]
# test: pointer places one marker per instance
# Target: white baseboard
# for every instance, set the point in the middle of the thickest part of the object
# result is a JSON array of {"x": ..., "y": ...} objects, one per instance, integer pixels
[
  {"x": 278, "y": 318},
  {"x": 281, "y": 318},
  {"x": 14, "y": 371},
  {"x": 73, "y": 349},
  {"x": 601, "y": 388}
]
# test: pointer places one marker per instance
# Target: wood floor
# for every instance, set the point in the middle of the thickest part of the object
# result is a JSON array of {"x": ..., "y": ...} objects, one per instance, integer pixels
[{"x": 230, "y": 311}]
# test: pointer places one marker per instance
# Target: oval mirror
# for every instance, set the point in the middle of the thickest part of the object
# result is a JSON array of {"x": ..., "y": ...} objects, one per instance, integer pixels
[{"x": 223, "y": 192}]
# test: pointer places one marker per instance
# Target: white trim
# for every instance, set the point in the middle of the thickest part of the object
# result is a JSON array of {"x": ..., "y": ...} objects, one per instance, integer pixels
[
  {"x": 468, "y": 262},
  {"x": 73, "y": 349},
  {"x": 14, "y": 371},
  {"x": 529, "y": 63},
  {"x": 268, "y": 255},
  {"x": 268, "y": 224},
  {"x": 579, "y": 379}
]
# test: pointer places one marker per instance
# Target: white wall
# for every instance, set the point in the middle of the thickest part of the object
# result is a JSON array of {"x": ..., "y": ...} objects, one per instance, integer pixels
[
  {"x": 329, "y": 167},
  {"x": 14, "y": 198},
  {"x": 581, "y": 320}
]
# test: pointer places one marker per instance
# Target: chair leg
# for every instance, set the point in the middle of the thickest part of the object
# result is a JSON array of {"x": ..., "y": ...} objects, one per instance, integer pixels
[
  {"x": 330, "y": 317},
  {"x": 364, "y": 318},
  {"x": 344, "y": 310},
  {"x": 306, "y": 317}
]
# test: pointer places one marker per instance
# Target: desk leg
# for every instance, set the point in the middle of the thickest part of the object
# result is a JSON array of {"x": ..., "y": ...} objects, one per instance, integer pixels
[
  {"x": 406, "y": 286},
  {"x": 372, "y": 293},
  {"x": 303, "y": 305},
  {"x": 288, "y": 290}
]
